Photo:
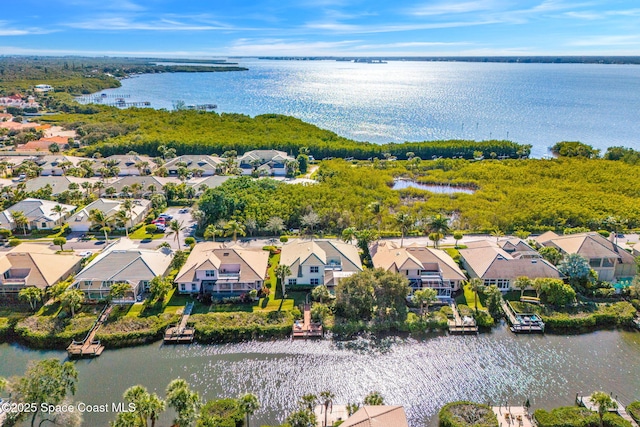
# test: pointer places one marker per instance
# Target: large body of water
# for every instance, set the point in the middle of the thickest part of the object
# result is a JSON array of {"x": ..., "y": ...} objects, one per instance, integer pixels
[
  {"x": 538, "y": 104},
  {"x": 422, "y": 375}
]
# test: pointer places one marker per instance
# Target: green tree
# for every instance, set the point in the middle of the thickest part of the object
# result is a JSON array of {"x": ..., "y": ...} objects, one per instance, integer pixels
[
  {"x": 119, "y": 290},
  {"x": 405, "y": 222},
  {"x": 99, "y": 218},
  {"x": 60, "y": 211},
  {"x": 31, "y": 295},
  {"x": 457, "y": 236},
  {"x": 303, "y": 163},
  {"x": 210, "y": 232},
  {"x": 348, "y": 234},
  {"x": 60, "y": 241},
  {"x": 71, "y": 299},
  {"x": 47, "y": 382},
  {"x": 604, "y": 402},
  {"x": 377, "y": 209},
  {"x": 183, "y": 401},
  {"x": 309, "y": 221},
  {"x": 20, "y": 220},
  {"x": 176, "y": 228},
  {"x": 159, "y": 287},
  {"x": 558, "y": 293},
  {"x": 424, "y": 297},
  {"x": 326, "y": 399},
  {"x": 275, "y": 225},
  {"x": 374, "y": 399},
  {"x": 438, "y": 224},
  {"x": 301, "y": 418},
  {"x": 522, "y": 283},
  {"x": 576, "y": 269},
  {"x": 320, "y": 293},
  {"x": 282, "y": 271},
  {"x": 249, "y": 404},
  {"x": 551, "y": 254},
  {"x": 308, "y": 402},
  {"x": 494, "y": 301},
  {"x": 477, "y": 286},
  {"x": 233, "y": 228},
  {"x": 435, "y": 238}
]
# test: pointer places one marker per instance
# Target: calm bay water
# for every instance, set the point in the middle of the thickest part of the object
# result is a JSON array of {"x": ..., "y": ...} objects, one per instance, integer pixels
[
  {"x": 538, "y": 104},
  {"x": 422, "y": 375}
]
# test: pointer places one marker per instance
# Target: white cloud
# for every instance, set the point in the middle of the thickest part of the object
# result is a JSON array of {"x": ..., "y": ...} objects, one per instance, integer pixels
[
  {"x": 7, "y": 30},
  {"x": 336, "y": 27},
  {"x": 281, "y": 47},
  {"x": 126, "y": 24},
  {"x": 607, "y": 40},
  {"x": 448, "y": 8}
]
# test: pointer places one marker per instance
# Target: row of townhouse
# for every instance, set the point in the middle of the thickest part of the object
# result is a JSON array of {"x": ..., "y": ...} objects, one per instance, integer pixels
[{"x": 263, "y": 162}]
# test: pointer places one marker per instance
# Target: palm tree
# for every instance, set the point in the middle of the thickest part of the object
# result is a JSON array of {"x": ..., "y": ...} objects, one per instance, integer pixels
[
  {"x": 122, "y": 217},
  {"x": 127, "y": 206},
  {"x": 348, "y": 234},
  {"x": 176, "y": 227},
  {"x": 60, "y": 210},
  {"x": 476, "y": 285},
  {"x": 326, "y": 397},
  {"x": 210, "y": 232},
  {"x": 97, "y": 186},
  {"x": 424, "y": 297},
  {"x": 233, "y": 228},
  {"x": 282, "y": 271},
  {"x": 97, "y": 217},
  {"x": 376, "y": 209},
  {"x": 308, "y": 401},
  {"x": 604, "y": 402},
  {"x": 32, "y": 295},
  {"x": 374, "y": 399},
  {"x": 522, "y": 283},
  {"x": 406, "y": 223},
  {"x": 275, "y": 225},
  {"x": 249, "y": 404},
  {"x": 21, "y": 220},
  {"x": 72, "y": 299},
  {"x": 438, "y": 224}
]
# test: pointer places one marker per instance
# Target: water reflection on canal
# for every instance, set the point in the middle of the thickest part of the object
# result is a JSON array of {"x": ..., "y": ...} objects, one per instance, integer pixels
[{"x": 422, "y": 375}]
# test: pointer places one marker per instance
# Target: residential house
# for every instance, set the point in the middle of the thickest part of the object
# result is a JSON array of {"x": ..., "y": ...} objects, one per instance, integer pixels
[
  {"x": 56, "y": 165},
  {"x": 264, "y": 162},
  {"x": 377, "y": 416},
  {"x": 81, "y": 220},
  {"x": 128, "y": 164},
  {"x": 34, "y": 264},
  {"x": 143, "y": 182},
  {"x": 39, "y": 213},
  {"x": 43, "y": 144},
  {"x": 319, "y": 262},
  {"x": 609, "y": 260},
  {"x": 122, "y": 262},
  {"x": 494, "y": 265},
  {"x": 222, "y": 271},
  {"x": 423, "y": 267},
  {"x": 203, "y": 183},
  {"x": 197, "y": 165},
  {"x": 58, "y": 184}
]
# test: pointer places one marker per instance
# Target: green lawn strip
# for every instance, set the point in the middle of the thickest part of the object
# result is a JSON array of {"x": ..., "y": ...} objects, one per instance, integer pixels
[
  {"x": 470, "y": 300},
  {"x": 135, "y": 310},
  {"x": 268, "y": 304},
  {"x": 141, "y": 234},
  {"x": 271, "y": 282}
]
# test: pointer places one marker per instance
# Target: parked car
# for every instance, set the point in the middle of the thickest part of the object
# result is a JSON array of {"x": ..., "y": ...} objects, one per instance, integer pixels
[
  {"x": 159, "y": 221},
  {"x": 166, "y": 216},
  {"x": 161, "y": 227},
  {"x": 85, "y": 254},
  {"x": 183, "y": 211}
]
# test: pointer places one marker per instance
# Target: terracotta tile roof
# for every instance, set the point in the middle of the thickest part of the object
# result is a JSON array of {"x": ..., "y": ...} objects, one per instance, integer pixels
[{"x": 378, "y": 416}]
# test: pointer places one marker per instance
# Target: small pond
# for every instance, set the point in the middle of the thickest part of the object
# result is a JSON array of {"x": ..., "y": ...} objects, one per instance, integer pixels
[{"x": 401, "y": 184}]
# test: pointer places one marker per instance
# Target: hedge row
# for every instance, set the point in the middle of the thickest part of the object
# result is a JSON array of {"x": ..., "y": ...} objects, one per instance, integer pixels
[
  {"x": 467, "y": 414},
  {"x": 414, "y": 324},
  {"x": 634, "y": 410},
  {"x": 129, "y": 331},
  {"x": 618, "y": 314},
  {"x": 49, "y": 332},
  {"x": 573, "y": 416},
  {"x": 241, "y": 326}
]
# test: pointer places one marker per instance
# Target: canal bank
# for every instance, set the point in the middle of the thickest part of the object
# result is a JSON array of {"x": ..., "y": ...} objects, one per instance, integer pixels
[{"x": 497, "y": 367}]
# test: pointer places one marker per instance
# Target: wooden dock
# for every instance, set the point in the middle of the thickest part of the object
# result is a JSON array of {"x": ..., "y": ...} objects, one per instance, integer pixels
[
  {"x": 89, "y": 346},
  {"x": 620, "y": 409},
  {"x": 181, "y": 333},
  {"x": 307, "y": 329},
  {"x": 522, "y": 323},
  {"x": 457, "y": 325}
]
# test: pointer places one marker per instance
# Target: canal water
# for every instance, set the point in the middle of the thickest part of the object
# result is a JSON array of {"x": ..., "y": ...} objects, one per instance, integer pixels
[
  {"x": 401, "y": 184},
  {"x": 422, "y": 375}
]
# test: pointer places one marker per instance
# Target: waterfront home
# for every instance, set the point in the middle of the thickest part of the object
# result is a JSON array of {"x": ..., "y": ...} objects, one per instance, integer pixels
[
  {"x": 377, "y": 416},
  {"x": 609, "y": 260},
  {"x": 39, "y": 214},
  {"x": 81, "y": 220},
  {"x": 34, "y": 265},
  {"x": 58, "y": 184},
  {"x": 319, "y": 262},
  {"x": 197, "y": 165},
  {"x": 218, "y": 270},
  {"x": 264, "y": 162},
  {"x": 128, "y": 164},
  {"x": 423, "y": 267},
  {"x": 56, "y": 165},
  {"x": 138, "y": 186},
  {"x": 494, "y": 265},
  {"x": 122, "y": 262}
]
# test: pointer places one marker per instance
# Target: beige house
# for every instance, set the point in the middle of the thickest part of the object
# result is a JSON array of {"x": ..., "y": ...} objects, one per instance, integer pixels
[
  {"x": 424, "y": 267},
  {"x": 319, "y": 262},
  {"x": 56, "y": 165},
  {"x": 34, "y": 264},
  {"x": 39, "y": 213},
  {"x": 377, "y": 416},
  {"x": 81, "y": 220},
  {"x": 222, "y": 271},
  {"x": 494, "y": 265},
  {"x": 122, "y": 262},
  {"x": 609, "y": 260}
]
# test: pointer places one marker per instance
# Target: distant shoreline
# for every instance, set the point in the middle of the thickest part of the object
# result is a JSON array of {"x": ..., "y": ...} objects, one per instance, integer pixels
[{"x": 617, "y": 60}]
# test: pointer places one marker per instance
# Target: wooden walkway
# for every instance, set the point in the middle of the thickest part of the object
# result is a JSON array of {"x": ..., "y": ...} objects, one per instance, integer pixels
[
  {"x": 460, "y": 326},
  {"x": 518, "y": 322},
  {"x": 181, "y": 333},
  {"x": 307, "y": 329},
  {"x": 620, "y": 410},
  {"x": 89, "y": 346}
]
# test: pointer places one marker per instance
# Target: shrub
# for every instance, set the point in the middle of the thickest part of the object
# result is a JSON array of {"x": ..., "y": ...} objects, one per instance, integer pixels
[
  {"x": 284, "y": 239},
  {"x": 634, "y": 410},
  {"x": 4, "y": 233},
  {"x": 189, "y": 241},
  {"x": 151, "y": 228},
  {"x": 484, "y": 319},
  {"x": 573, "y": 416},
  {"x": 467, "y": 414},
  {"x": 14, "y": 242}
]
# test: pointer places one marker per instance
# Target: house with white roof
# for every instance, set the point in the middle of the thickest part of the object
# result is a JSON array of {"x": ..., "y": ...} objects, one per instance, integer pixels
[
  {"x": 423, "y": 267},
  {"x": 609, "y": 260},
  {"x": 58, "y": 184},
  {"x": 265, "y": 162},
  {"x": 122, "y": 262},
  {"x": 490, "y": 262},
  {"x": 81, "y": 220},
  {"x": 128, "y": 164},
  {"x": 319, "y": 262},
  {"x": 217, "y": 270},
  {"x": 198, "y": 165},
  {"x": 39, "y": 213},
  {"x": 57, "y": 165}
]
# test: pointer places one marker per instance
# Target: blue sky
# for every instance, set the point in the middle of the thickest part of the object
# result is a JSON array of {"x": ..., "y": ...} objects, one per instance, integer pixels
[{"x": 198, "y": 28}]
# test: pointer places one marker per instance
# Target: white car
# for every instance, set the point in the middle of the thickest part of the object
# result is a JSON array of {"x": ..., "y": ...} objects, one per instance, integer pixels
[{"x": 85, "y": 254}]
